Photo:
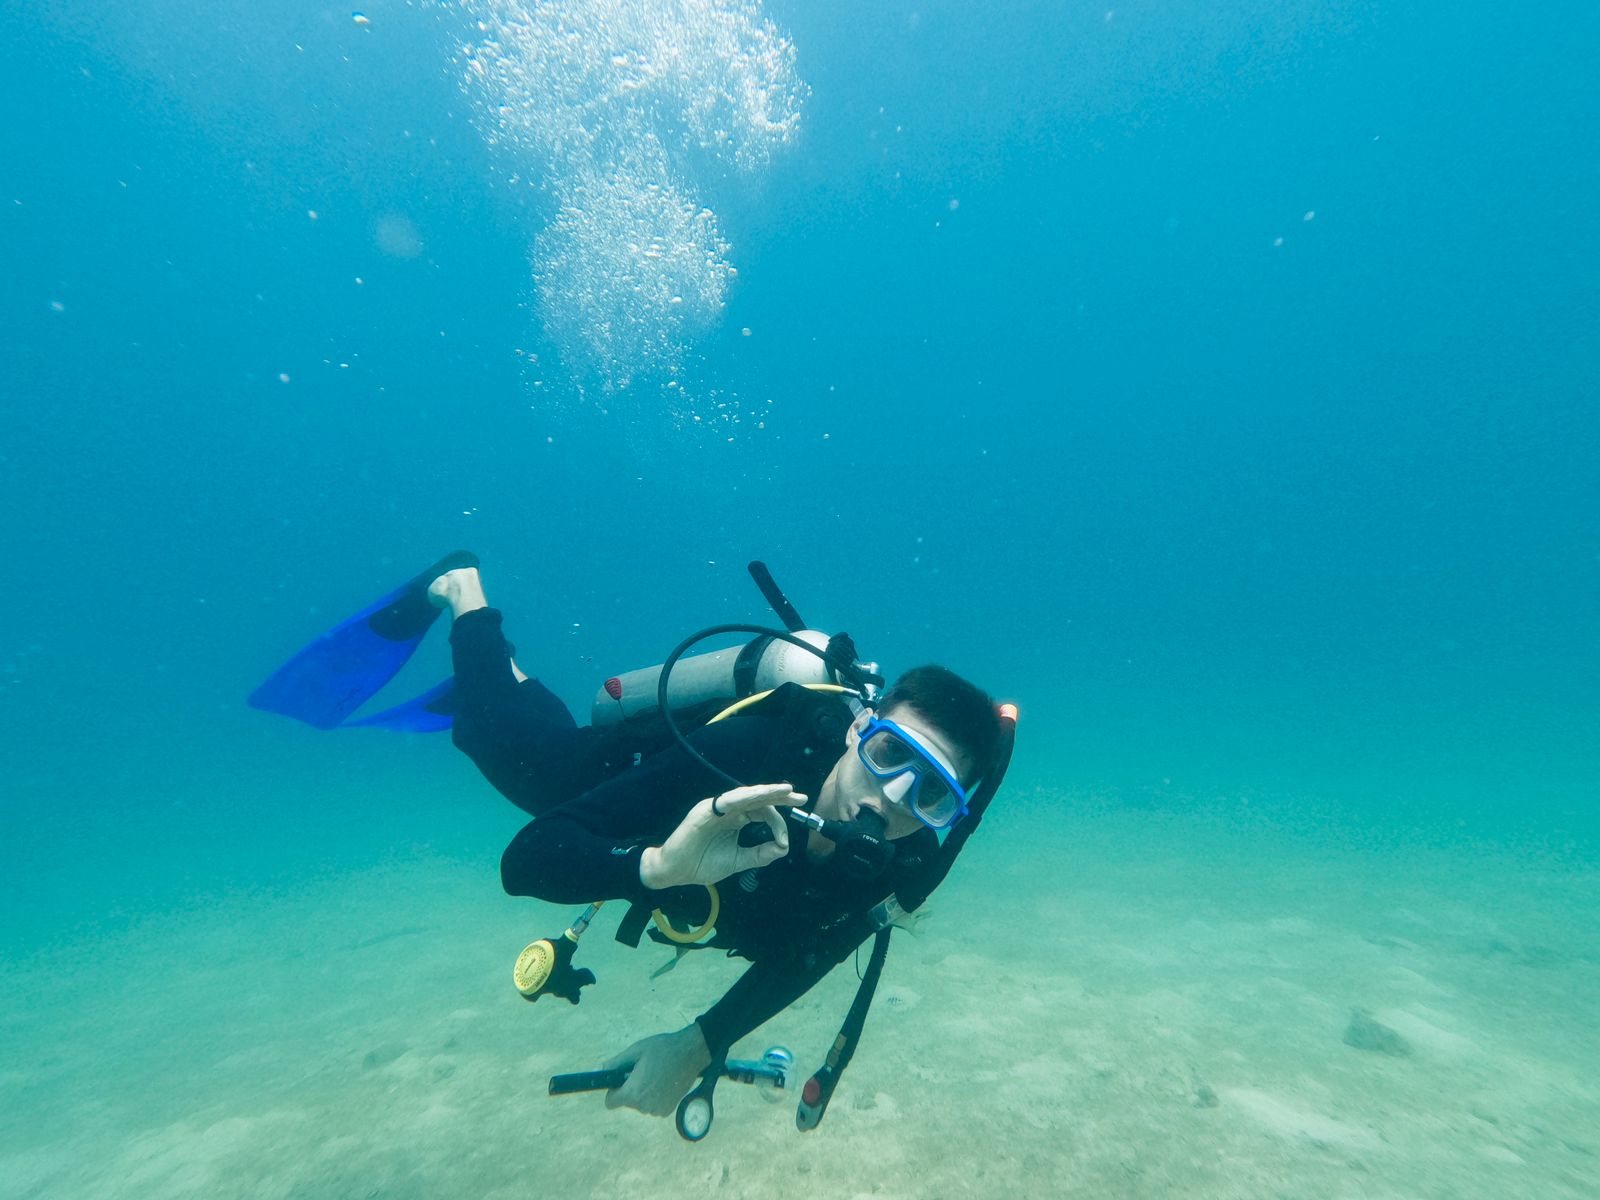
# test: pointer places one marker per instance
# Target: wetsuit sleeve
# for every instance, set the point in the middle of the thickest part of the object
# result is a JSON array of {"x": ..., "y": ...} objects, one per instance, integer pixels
[
  {"x": 588, "y": 849},
  {"x": 774, "y": 982},
  {"x": 771, "y": 985}
]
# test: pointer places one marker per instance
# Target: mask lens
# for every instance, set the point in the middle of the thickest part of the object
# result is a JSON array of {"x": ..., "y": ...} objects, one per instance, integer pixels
[
  {"x": 886, "y": 752},
  {"x": 933, "y": 798}
]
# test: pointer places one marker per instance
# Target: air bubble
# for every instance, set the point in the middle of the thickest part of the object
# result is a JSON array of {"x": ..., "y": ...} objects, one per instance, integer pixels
[{"x": 618, "y": 106}]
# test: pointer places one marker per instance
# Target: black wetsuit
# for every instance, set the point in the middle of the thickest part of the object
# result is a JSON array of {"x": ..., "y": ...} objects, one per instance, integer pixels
[{"x": 602, "y": 796}]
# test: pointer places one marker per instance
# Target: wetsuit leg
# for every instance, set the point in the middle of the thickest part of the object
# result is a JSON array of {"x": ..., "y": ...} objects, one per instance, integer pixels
[{"x": 520, "y": 735}]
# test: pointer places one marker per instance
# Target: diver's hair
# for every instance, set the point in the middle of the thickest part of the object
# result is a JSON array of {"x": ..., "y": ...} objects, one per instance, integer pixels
[{"x": 961, "y": 711}]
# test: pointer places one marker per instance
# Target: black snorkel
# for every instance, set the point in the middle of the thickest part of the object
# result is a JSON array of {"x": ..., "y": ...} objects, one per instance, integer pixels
[
  {"x": 818, "y": 1090},
  {"x": 933, "y": 875}
]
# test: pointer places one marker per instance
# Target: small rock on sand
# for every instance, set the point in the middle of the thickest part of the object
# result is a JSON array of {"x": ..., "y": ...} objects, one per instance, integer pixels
[{"x": 1366, "y": 1032}]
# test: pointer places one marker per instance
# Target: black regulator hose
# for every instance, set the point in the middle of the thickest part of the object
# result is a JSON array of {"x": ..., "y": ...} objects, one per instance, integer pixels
[{"x": 683, "y": 648}]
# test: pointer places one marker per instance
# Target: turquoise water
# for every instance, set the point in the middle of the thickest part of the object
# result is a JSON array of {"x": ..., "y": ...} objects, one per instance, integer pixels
[{"x": 1219, "y": 388}]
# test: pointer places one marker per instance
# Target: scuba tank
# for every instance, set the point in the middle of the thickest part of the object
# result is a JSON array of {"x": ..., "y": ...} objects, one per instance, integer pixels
[{"x": 706, "y": 683}]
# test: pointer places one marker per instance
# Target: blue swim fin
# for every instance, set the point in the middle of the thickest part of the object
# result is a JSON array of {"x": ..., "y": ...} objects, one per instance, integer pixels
[
  {"x": 427, "y": 713},
  {"x": 332, "y": 677}
]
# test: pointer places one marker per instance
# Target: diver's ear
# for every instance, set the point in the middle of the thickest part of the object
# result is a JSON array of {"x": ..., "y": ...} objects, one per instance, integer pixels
[{"x": 853, "y": 734}]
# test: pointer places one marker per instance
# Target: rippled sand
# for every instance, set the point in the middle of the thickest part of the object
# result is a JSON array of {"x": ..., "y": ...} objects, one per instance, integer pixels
[{"x": 1105, "y": 1002}]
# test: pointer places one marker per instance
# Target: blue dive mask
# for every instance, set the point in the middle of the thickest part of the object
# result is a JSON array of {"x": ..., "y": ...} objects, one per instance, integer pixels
[{"x": 936, "y": 795}]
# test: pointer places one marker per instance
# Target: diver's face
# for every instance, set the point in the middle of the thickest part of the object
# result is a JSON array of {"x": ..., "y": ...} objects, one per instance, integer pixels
[{"x": 850, "y": 787}]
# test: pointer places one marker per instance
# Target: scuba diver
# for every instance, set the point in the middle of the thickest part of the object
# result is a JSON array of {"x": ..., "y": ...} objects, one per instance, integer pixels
[{"x": 813, "y": 815}]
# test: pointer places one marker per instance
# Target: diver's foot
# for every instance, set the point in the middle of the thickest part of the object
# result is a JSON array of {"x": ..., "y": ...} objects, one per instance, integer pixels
[{"x": 460, "y": 590}]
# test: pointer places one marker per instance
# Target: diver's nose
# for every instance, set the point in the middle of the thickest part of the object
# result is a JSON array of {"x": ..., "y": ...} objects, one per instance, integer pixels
[{"x": 898, "y": 789}]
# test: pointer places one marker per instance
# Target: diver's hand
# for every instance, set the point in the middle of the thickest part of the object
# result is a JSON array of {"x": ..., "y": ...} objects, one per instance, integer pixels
[
  {"x": 664, "y": 1068},
  {"x": 705, "y": 848}
]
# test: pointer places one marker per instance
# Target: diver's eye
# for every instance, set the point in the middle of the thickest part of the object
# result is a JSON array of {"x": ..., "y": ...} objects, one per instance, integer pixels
[
  {"x": 935, "y": 798},
  {"x": 888, "y": 753}
]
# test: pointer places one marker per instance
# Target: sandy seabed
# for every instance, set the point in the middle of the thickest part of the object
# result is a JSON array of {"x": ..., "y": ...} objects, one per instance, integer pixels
[{"x": 1102, "y": 1002}]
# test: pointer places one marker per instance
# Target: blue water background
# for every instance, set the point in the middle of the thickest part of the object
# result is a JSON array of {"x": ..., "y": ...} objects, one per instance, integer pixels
[{"x": 1308, "y": 525}]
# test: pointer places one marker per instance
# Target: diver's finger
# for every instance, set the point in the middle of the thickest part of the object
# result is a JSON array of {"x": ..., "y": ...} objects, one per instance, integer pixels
[
  {"x": 779, "y": 845},
  {"x": 770, "y": 853},
  {"x": 743, "y": 799},
  {"x": 630, "y": 1096},
  {"x": 627, "y": 1058}
]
